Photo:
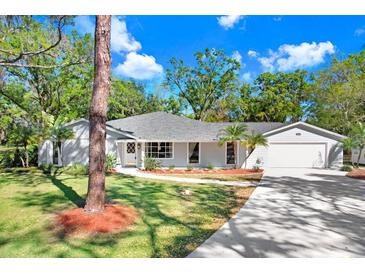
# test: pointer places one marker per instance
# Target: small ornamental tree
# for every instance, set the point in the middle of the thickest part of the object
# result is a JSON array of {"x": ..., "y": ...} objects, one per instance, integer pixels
[
  {"x": 59, "y": 134},
  {"x": 356, "y": 140},
  {"x": 235, "y": 133},
  {"x": 252, "y": 141}
]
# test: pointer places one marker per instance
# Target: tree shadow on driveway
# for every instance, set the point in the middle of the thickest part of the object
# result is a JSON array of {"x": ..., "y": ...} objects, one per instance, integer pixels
[{"x": 315, "y": 215}]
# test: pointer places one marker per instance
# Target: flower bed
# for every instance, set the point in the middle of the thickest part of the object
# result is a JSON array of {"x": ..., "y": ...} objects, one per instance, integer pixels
[
  {"x": 237, "y": 171},
  {"x": 358, "y": 173}
]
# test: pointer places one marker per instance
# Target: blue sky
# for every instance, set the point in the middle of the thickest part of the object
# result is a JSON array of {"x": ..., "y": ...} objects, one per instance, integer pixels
[{"x": 143, "y": 45}]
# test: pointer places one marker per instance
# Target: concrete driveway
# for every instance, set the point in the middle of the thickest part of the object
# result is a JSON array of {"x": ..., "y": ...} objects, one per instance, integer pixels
[{"x": 295, "y": 213}]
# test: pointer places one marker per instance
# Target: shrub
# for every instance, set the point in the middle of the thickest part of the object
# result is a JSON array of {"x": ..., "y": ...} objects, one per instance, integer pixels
[
  {"x": 76, "y": 169},
  {"x": 111, "y": 162},
  {"x": 210, "y": 166},
  {"x": 12, "y": 157},
  {"x": 151, "y": 163},
  {"x": 257, "y": 165},
  {"x": 347, "y": 168},
  {"x": 33, "y": 155},
  {"x": 189, "y": 167},
  {"x": 7, "y": 158},
  {"x": 171, "y": 167}
]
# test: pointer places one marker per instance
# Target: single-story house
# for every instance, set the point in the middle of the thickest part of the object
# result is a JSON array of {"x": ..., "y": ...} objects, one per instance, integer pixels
[{"x": 180, "y": 142}]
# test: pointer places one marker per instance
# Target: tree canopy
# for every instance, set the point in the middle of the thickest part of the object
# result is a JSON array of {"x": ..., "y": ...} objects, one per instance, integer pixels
[
  {"x": 206, "y": 85},
  {"x": 274, "y": 97},
  {"x": 48, "y": 83},
  {"x": 338, "y": 94}
]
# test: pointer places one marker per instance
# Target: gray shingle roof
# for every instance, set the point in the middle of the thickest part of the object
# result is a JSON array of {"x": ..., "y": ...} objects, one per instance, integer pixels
[{"x": 162, "y": 126}]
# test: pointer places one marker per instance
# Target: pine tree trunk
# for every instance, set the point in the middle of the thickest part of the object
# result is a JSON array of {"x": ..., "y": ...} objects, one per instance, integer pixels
[{"x": 102, "y": 66}]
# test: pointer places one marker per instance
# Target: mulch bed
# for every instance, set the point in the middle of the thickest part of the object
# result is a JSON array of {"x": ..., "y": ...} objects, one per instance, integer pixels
[
  {"x": 357, "y": 173},
  {"x": 114, "y": 219},
  {"x": 237, "y": 171}
]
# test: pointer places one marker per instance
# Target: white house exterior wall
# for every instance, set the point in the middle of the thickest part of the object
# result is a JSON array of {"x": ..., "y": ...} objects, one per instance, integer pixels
[
  {"x": 180, "y": 156},
  {"x": 355, "y": 155},
  {"x": 210, "y": 153},
  {"x": 76, "y": 151},
  {"x": 45, "y": 152}
]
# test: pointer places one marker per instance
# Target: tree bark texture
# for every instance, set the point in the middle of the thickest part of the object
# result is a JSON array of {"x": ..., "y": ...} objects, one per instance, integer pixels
[{"x": 102, "y": 69}]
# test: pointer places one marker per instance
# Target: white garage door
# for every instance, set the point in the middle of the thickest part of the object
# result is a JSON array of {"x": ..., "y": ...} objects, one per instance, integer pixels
[{"x": 297, "y": 155}]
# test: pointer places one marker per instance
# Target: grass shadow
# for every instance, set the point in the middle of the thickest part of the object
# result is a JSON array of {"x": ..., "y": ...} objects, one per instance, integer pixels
[{"x": 68, "y": 191}]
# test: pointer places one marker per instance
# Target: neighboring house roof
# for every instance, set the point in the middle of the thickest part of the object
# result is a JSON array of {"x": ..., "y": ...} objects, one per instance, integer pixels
[{"x": 162, "y": 126}]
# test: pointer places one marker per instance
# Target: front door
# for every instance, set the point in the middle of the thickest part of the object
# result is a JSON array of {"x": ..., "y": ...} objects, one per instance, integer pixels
[{"x": 130, "y": 154}]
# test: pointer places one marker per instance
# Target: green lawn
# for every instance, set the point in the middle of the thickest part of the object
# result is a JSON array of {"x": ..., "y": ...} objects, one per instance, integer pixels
[{"x": 169, "y": 225}]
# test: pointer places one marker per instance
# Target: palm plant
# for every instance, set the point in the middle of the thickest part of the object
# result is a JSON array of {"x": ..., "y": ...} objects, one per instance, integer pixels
[
  {"x": 358, "y": 136},
  {"x": 59, "y": 134},
  {"x": 252, "y": 141},
  {"x": 349, "y": 144},
  {"x": 235, "y": 133}
]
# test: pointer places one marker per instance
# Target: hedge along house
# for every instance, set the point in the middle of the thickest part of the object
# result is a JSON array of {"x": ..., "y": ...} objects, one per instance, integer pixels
[{"x": 181, "y": 142}]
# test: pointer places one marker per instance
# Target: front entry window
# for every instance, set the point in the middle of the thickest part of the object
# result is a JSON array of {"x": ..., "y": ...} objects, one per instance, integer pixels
[
  {"x": 193, "y": 151},
  {"x": 230, "y": 154},
  {"x": 131, "y": 147}
]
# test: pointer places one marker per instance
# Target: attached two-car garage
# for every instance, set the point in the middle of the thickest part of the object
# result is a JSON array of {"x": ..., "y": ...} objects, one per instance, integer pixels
[
  {"x": 297, "y": 155},
  {"x": 299, "y": 145}
]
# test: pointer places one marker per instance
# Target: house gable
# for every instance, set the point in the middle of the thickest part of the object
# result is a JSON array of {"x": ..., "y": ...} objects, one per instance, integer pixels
[
  {"x": 303, "y": 132},
  {"x": 81, "y": 130}
]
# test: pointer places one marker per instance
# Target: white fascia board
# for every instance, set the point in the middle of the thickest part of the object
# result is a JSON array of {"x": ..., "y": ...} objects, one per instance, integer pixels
[{"x": 75, "y": 122}]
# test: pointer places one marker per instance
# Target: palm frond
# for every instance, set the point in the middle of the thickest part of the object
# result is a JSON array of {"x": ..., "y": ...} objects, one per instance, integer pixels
[
  {"x": 255, "y": 139},
  {"x": 235, "y": 132}
]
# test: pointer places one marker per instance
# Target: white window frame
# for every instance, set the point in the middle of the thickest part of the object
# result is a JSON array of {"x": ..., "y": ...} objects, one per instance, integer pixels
[
  {"x": 225, "y": 153},
  {"x": 172, "y": 147},
  {"x": 187, "y": 153}
]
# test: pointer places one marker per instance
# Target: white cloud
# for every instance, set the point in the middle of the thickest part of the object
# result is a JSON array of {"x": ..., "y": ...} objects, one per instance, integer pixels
[
  {"x": 278, "y": 18},
  {"x": 237, "y": 56},
  {"x": 289, "y": 57},
  {"x": 247, "y": 77},
  {"x": 359, "y": 31},
  {"x": 122, "y": 40},
  {"x": 252, "y": 53},
  {"x": 139, "y": 66},
  {"x": 228, "y": 21},
  {"x": 84, "y": 24},
  {"x": 268, "y": 62}
]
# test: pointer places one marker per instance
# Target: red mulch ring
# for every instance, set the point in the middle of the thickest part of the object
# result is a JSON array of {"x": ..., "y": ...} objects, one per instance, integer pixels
[
  {"x": 114, "y": 219},
  {"x": 357, "y": 173},
  {"x": 237, "y": 171}
]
